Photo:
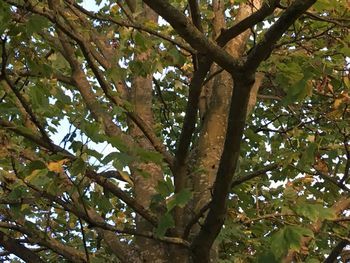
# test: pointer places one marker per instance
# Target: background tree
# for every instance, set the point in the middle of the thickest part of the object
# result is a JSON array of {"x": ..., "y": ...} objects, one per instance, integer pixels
[{"x": 191, "y": 172}]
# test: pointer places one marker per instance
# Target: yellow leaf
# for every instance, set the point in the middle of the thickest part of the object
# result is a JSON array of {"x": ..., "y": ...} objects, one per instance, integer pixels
[
  {"x": 151, "y": 24},
  {"x": 121, "y": 217},
  {"x": 114, "y": 9},
  {"x": 57, "y": 167},
  {"x": 337, "y": 103},
  {"x": 126, "y": 177},
  {"x": 311, "y": 138},
  {"x": 308, "y": 179}
]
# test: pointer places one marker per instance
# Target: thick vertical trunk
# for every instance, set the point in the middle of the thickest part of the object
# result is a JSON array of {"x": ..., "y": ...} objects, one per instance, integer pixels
[
  {"x": 141, "y": 99},
  {"x": 216, "y": 98},
  {"x": 208, "y": 149},
  {"x": 210, "y": 144}
]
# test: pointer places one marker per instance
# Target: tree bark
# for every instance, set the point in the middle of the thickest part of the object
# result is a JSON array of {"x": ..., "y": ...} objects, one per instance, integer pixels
[{"x": 145, "y": 185}]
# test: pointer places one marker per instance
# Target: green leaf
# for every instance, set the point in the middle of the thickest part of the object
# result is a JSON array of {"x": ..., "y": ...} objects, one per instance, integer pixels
[
  {"x": 288, "y": 238},
  {"x": 102, "y": 202},
  {"x": 279, "y": 245},
  {"x": 140, "y": 41},
  {"x": 93, "y": 131},
  {"x": 36, "y": 23},
  {"x": 179, "y": 199},
  {"x": 78, "y": 167},
  {"x": 35, "y": 165},
  {"x": 165, "y": 222},
  {"x": 165, "y": 188},
  {"x": 5, "y": 16},
  {"x": 39, "y": 98},
  {"x": 267, "y": 257},
  {"x": 76, "y": 146},
  {"x": 118, "y": 143},
  {"x": 38, "y": 178},
  {"x": 94, "y": 153},
  {"x": 18, "y": 191},
  {"x": 308, "y": 156},
  {"x": 149, "y": 156},
  {"x": 314, "y": 211}
]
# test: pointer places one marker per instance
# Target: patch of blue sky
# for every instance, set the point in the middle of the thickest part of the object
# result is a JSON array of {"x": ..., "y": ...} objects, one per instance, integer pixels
[{"x": 91, "y": 5}]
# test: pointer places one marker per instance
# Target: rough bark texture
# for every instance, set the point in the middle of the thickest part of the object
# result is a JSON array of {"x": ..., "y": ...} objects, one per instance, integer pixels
[
  {"x": 208, "y": 150},
  {"x": 145, "y": 185}
]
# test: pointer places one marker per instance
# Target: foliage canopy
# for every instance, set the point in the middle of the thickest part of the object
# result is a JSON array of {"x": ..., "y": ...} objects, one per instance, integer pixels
[{"x": 175, "y": 131}]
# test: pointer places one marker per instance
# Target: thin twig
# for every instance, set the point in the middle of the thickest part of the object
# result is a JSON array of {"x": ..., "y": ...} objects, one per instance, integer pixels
[{"x": 84, "y": 240}]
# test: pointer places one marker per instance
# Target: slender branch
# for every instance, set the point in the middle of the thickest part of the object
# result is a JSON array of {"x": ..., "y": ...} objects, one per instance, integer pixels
[
  {"x": 151, "y": 136},
  {"x": 347, "y": 165},
  {"x": 264, "y": 48},
  {"x": 258, "y": 16},
  {"x": 195, "y": 14},
  {"x": 19, "y": 96},
  {"x": 150, "y": 235},
  {"x": 112, "y": 187},
  {"x": 34, "y": 250},
  {"x": 269, "y": 216},
  {"x": 252, "y": 175},
  {"x": 36, "y": 236},
  {"x": 341, "y": 219},
  {"x": 210, "y": 77},
  {"x": 194, "y": 220},
  {"x": 30, "y": 136},
  {"x": 192, "y": 35},
  {"x": 323, "y": 18},
  {"x": 84, "y": 240},
  {"x": 189, "y": 123},
  {"x": 325, "y": 177},
  {"x": 56, "y": 75},
  {"x": 268, "y": 97},
  {"x": 20, "y": 201},
  {"x": 136, "y": 26},
  {"x": 12, "y": 245},
  {"x": 336, "y": 251}
]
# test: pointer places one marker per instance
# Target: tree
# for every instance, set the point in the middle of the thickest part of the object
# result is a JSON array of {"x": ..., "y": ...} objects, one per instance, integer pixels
[{"x": 226, "y": 124}]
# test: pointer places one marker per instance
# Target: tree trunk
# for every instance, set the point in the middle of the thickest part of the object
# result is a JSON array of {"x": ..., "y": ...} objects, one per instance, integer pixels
[{"x": 145, "y": 185}]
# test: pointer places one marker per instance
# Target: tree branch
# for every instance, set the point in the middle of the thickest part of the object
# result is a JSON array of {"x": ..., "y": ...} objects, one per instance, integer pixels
[
  {"x": 12, "y": 245},
  {"x": 113, "y": 188},
  {"x": 258, "y": 16},
  {"x": 339, "y": 206},
  {"x": 136, "y": 26},
  {"x": 194, "y": 220},
  {"x": 195, "y": 14},
  {"x": 190, "y": 121},
  {"x": 19, "y": 96},
  {"x": 336, "y": 251},
  {"x": 264, "y": 48},
  {"x": 192, "y": 35},
  {"x": 252, "y": 175},
  {"x": 227, "y": 166},
  {"x": 36, "y": 236}
]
